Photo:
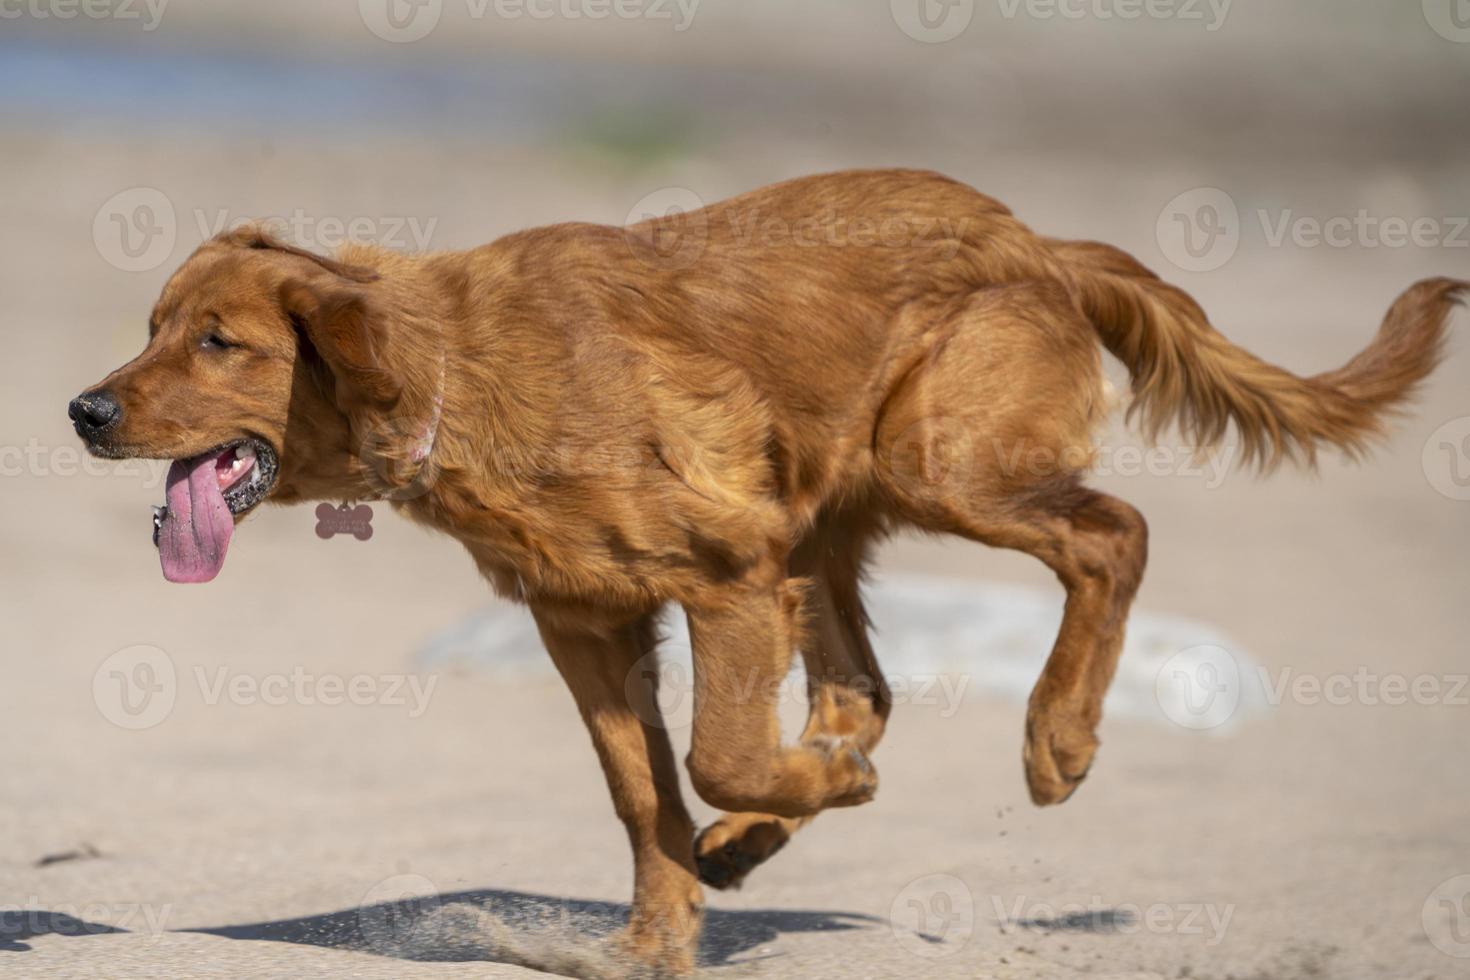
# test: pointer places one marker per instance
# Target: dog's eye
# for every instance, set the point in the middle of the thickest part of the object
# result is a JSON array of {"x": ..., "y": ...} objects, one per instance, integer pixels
[{"x": 213, "y": 341}]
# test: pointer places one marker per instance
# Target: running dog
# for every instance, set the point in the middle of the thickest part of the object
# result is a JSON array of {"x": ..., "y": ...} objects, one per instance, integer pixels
[{"x": 723, "y": 409}]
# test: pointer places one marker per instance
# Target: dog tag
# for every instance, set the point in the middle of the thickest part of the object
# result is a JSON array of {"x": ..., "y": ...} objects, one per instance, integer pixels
[{"x": 345, "y": 519}]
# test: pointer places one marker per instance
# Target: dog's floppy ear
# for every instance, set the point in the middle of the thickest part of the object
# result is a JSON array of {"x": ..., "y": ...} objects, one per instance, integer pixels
[
  {"x": 336, "y": 318},
  {"x": 254, "y": 235},
  {"x": 327, "y": 303}
]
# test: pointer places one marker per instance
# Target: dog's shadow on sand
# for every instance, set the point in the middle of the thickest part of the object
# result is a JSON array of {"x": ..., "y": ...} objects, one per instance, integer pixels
[
  {"x": 19, "y": 925},
  {"x": 556, "y": 935}
]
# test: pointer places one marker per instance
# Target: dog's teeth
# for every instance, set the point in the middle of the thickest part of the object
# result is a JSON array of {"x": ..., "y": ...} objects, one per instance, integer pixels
[
  {"x": 158, "y": 512},
  {"x": 244, "y": 452}
]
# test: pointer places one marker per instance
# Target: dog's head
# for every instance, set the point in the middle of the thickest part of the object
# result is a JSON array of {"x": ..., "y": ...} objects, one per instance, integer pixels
[{"x": 262, "y": 359}]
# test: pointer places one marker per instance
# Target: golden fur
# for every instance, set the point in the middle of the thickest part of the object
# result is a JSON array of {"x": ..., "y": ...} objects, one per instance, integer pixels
[{"x": 725, "y": 410}]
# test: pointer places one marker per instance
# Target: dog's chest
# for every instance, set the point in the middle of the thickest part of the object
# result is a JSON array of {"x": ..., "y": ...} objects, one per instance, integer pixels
[{"x": 567, "y": 547}]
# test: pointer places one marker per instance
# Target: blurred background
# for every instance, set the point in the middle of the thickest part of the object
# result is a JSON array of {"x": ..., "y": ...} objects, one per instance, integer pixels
[{"x": 1275, "y": 798}]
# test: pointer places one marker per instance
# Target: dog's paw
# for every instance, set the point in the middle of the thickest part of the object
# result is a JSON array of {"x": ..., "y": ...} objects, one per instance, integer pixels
[
  {"x": 662, "y": 936},
  {"x": 1058, "y": 753},
  {"x": 641, "y": 956},
  {"x": 731, "y": 847},
  {"x": 851, "y": 778}
]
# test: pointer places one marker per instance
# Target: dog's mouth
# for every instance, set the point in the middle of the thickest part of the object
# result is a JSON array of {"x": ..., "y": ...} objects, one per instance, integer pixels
[{"x": 204, "y": 494}]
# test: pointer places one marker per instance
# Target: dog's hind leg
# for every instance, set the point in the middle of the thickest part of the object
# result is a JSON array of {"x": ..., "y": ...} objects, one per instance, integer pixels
[
  {"x": 633, "y": 746},
  {"x": 847, "y": 693},
  {"x": 1096, "y": 545},
  {"x": 988, "y": 437}
]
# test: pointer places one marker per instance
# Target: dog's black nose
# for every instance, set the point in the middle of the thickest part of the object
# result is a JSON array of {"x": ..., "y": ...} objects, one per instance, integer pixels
[{"x": 93, "y": 413}]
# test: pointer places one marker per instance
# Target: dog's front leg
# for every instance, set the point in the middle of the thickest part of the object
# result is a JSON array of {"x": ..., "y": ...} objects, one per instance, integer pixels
[
  {"x": 596, "y": 661},
  {"x": 743, "y": 640}
]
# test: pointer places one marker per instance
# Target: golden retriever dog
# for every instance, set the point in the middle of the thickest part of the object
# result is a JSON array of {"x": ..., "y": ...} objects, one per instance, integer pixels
[{"x": 723, "y": 409}]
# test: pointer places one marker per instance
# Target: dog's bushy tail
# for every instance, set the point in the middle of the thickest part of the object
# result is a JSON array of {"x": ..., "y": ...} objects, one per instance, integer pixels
[{"x": 1184, "y": 371}]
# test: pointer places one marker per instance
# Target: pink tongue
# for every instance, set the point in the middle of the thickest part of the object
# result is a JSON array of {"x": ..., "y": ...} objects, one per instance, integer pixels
[{"x": 196, "y": 530}]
